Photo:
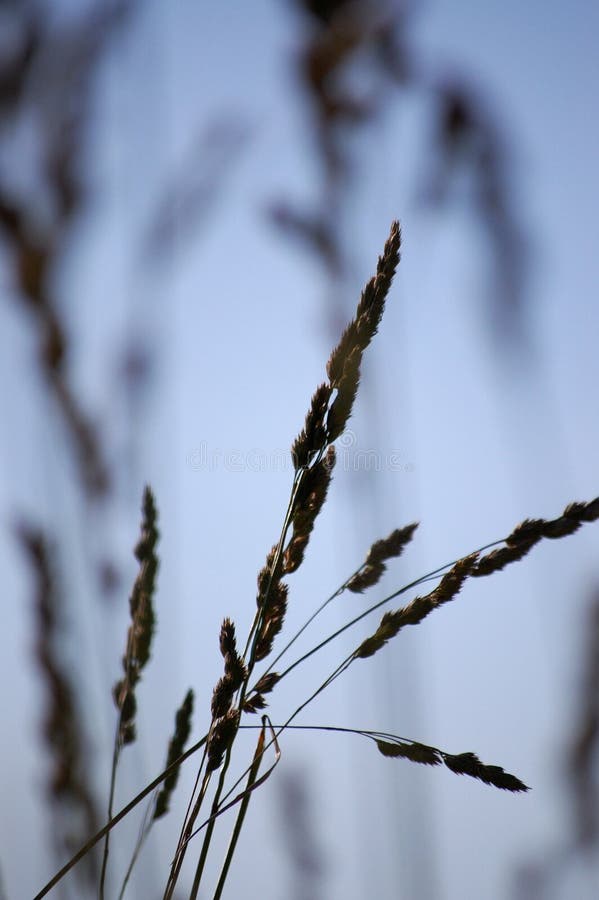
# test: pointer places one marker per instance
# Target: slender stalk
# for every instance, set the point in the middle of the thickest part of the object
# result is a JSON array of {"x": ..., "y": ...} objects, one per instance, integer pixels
[
  {"x": 241, "y": 815},
  {"x": 407, "y": 587},
  {"x": 255, "y": 629},
  {"x": 250, "y": 649},
  {"x": 116, "y": 752},
  {"x": 297, "y": 480},
  {"x": 144, "y": 830},
  {"x": 273, "y": 741},
  {"x": 184, "y": 839},
  {"x": 116, "y": 819},
  {"x": 350, "y": 658},
  {"x": 309, "y": 621},
  {"x": 189, "y": 819},
  {"x": 208, "y": 836}
]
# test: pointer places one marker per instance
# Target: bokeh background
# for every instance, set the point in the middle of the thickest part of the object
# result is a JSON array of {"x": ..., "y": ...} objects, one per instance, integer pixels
[{"x": 192, "y": 197}]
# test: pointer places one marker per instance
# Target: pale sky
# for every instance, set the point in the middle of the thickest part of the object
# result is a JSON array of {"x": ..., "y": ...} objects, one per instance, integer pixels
[{"x": 238, "y": 321}]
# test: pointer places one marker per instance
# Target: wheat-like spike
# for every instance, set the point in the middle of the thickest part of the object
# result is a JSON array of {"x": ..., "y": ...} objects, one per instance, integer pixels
[
  {"x": 374, "y": 566},
  {"x": 272, "y": 620},
  {"x": 362, "y": 329},
  {"x": 266, "y": 575},
  {"x": 67, "y": 785},
  {"x": 293, "y": 556},
  {"x": 267, "y": 682},
  {"x": 175, "y": 750},
  {"x": 347, "y": 389},
  {"x": 391, "y": 546},
  {"x": 372, "y": 301},
  {"x": 263, "y": 686},
  {"x": 254, "y": 703},
  {"x": 367, "y": 576},
  {"x": 235, "y": 667},
  {"x": 312, "y": 493},
  {"x": 227, "y": 640},
  {"x": 498, "y": 559},
  {"x": 309, "y": 500},
  {"x": 221, "y": 738},
  {"x": 462, "y": 763},
  {"x": 419, "y": 753},
  {"x": 415, "y": 611},
  {"x": 235, "y": 672},
  {"x": 222, "y": 697},
  {"x": 143, "y": 620},
  {"x": 271, "y": 600},
  {"x": 531, "y": 531},
  {"x": 324, "y": 423},
  {"x": 312, "y": 437},
  {"x": 470, "y": 764}
]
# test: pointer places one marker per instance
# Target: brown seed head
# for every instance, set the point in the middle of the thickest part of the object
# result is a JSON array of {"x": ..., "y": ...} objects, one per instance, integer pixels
[
  {"x": 175, "y": 750},
  {"x": 221, "y": 738},
  {"x": 312, "y": 438}
]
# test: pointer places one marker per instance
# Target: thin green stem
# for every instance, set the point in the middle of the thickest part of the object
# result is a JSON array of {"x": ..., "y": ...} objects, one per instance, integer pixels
[
  {"x": 144, "y": 830},
  {"x": 273, "y": 741},
  {"x": 255, "y": 629},
  {"x": 188, "y": 821},
  {"x": 250, "y": 655},
  {"x": 184, "y": 839},
  {"x": 116, "y": 751},
  {"x": 116, "y": 819},
  {"x": 309, "y": 621},
  {"x": 241, "y": 815},
  {"x": 423, "y": 578},
  {"x": 345, "y": 663},
  {"x": 208, "y": 836},
  {"x": 364, "y": 732}
]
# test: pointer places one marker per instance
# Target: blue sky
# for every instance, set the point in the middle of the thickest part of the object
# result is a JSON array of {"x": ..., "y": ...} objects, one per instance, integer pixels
[{"x": 238, "y": 323}]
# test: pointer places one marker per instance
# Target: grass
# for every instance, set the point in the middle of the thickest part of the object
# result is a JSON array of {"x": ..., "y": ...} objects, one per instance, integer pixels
[{"x": 253, "y": 667}]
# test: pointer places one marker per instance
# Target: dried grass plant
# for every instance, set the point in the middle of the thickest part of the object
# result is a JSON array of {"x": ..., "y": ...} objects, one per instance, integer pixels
[{"x": 250, "y": 669}]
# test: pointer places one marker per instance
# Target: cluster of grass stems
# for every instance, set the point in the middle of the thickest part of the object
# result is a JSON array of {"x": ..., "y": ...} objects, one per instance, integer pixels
[{"x": 241, "y": 693}]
